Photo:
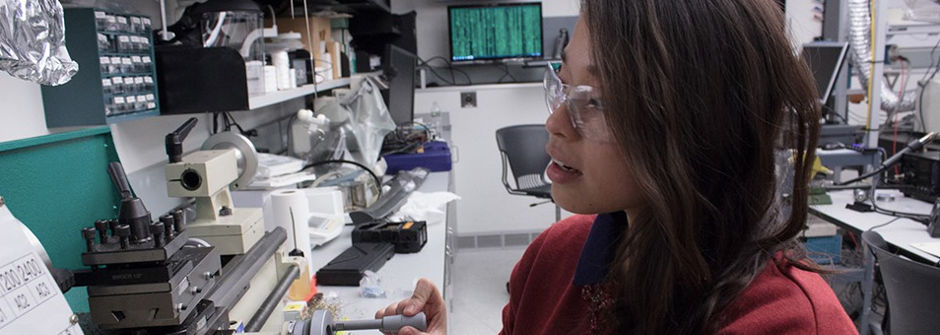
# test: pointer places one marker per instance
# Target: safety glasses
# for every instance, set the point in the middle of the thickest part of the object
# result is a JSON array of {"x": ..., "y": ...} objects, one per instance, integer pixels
[{"x": 583, "y": 103}]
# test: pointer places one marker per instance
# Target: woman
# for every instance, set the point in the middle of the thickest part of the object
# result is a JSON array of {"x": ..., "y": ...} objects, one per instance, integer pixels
[{"x": 666, "y": 126}]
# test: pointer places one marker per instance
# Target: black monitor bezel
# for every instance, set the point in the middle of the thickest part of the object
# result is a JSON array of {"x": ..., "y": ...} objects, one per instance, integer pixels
[
  {"x": 840, "y": 63},
  {"x": 389, "y": 49}
]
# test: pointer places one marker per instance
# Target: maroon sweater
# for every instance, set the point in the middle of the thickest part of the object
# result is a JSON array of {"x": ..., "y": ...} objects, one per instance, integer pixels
[{"x": 555, "y": 289}]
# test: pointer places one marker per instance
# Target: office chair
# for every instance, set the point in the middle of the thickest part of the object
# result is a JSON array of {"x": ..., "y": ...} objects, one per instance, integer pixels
[
  {"x": 523, "y": 150},
  {"x": 911, "y": 287}
]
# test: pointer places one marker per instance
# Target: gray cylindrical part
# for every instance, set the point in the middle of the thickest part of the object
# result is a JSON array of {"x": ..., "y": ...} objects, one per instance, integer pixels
[
  {"x": 388, "y": 324},
  {"x": 261, "y": 316},
  {"x": 396, "y": 322},
  {"x": 357, "y": 325},
  {"x": 233, "y": 284}
]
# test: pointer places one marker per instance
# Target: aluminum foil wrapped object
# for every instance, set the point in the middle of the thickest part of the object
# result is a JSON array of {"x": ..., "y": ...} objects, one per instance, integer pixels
[
  {"x": 32, "y": 42},
  {"x": 860, "y": 41}
]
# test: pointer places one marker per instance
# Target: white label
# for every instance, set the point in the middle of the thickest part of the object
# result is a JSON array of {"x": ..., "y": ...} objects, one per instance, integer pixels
[
  {"x": 126, "y": 61},
  {"x": 117, "y": 80},
  {"x": 110, "y": 18},
  {"x": 122, "y": 20},
  {"x": 18, "y": 274},
  {"x": 104, "y": 60},
  {"x": 146, "y": 59},
  {"x": 151, "y": 105},
  {"x": 131, "y": 99},
  {"x": 118, "y": 100},
  {"x": 135, "y": 20},
  {"x": 146, "y": 21},
  {"x": 138, "y": 80},
  {"x": 148, "y": 80},
  {"x": 30, "y": 301},
  {"x": 150, "y": 97},
  {"x": 106, "y": 82},
  {"x": 141, "y": 98},
  {"x": 135, "y": 59},
  {"x": 123, "y": 38},
  {"x": 116, "y": 60},
  {"x": 100, "y": 15}
]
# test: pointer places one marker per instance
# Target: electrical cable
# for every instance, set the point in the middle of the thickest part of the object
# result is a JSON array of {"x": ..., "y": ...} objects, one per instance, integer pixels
[
  {"x": 922, "y": 218},
  {"x": 931, "y": 72},
  {"x": 507, "y": 73},
  {"x": 378, "y": 182},
  {"x": 884, "y": 224},
  {"x": 450, "y": 66},
  {"x": 913, "y": 146}
]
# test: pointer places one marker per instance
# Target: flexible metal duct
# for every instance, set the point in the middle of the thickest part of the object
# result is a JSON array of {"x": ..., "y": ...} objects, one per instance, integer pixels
[{"x": 860, "y": 42}]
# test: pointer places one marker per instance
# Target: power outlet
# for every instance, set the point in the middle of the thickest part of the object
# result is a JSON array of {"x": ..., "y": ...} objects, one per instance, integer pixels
[{"x": 468, "y": 99}]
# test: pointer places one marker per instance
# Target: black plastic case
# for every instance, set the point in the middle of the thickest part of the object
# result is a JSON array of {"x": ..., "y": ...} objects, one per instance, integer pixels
[
  {"x": 408, "y": 237},
  {"x": 348, "y": 267}
]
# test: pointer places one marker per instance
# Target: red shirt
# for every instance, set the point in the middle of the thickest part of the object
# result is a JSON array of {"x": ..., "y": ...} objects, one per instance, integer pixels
[{"x": 546, "y": 298}]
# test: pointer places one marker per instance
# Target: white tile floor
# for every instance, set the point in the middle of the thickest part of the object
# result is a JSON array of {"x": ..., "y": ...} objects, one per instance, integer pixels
[{"x": 479, "y": 289}]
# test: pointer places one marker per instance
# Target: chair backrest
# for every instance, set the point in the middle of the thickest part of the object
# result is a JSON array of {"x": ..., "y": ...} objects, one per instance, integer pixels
[
  {"x": 912, "y": 288},
  {"x": 524, "y": 148}
]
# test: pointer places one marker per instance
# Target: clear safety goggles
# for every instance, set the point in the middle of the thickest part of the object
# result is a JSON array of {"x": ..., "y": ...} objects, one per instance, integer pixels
[{"x": 583, "y": 103}]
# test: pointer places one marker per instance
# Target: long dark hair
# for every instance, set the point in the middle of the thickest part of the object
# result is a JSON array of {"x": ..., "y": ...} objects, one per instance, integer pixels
[{"x": 702, "y": 95}]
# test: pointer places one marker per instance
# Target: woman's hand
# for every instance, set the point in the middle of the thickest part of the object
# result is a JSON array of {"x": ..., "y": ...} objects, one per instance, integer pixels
[{"x": 426, "y": 298}]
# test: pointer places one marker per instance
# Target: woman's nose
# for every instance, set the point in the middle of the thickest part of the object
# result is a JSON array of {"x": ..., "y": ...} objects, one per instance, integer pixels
[{"x": 559, "y": 123}]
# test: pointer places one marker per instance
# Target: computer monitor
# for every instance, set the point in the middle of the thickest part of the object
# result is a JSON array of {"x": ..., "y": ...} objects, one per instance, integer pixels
[
  {"x": 825, "y": 59},
  {"x": 495, "y": 31},
  {"x": 399, "y": 68}
]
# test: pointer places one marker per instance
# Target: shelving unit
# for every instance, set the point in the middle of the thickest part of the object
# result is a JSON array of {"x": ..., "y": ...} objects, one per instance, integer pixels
[
  {"x": 267, "y": 99},
  {"x": 884, "y": 31},
  {"x": 117, "y": 77}
]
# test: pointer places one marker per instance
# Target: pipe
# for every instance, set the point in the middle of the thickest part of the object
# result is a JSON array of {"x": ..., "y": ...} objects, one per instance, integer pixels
[
  {"x": 261, "y": 316},
  {"x": 234, "y": 283},
  {"x": 860, "y": 42}
]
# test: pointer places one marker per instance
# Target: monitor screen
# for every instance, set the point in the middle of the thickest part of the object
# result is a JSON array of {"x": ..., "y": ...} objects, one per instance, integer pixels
[
  {"x": 399, "y": 68},
  {"x": 497, "y": 31},
  {"x": 825, "y": 59}
]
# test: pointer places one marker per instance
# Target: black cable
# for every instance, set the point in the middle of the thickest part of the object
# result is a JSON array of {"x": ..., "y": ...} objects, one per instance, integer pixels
[
  {"x": 874, "y": 202},
  {"x": 859, "y": 178},
  {"x": 426, "y": 63},
  {"x": 862, "y": 187},
  {"x": 215, "y": 123},
  {"x": 884, "y": 156},
  {"x": 450, "y": 66},
  {"x": 506, "y": 68},
  {"x": 378, "y": 182},
  {"x": 439, "y": 76}
]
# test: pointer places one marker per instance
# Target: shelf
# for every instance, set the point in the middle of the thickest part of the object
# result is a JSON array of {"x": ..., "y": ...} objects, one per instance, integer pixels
[
  {"x": 912, "y": 28},
  {"x": 267, "y": 99}
]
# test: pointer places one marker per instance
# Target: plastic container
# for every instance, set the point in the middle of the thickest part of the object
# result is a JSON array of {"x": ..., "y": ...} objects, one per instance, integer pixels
[
  {"x": 825, "y": 249},
  {"x": 436, "y": 157}
]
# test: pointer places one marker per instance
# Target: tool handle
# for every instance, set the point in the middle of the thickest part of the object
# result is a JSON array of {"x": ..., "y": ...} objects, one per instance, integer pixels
[
  {"x": 388, "y": 324},
  {"x": 119, "y": 178},
  {"x": 174, "y": 140},
  {"x": 394, "y": 323}
]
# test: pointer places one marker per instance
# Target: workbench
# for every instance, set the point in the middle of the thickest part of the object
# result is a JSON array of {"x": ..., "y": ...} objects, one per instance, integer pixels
[{"x": 402, "y": 271}]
